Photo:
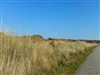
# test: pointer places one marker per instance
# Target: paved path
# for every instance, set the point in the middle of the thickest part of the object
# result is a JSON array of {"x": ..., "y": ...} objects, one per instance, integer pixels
[{"x": 92, "y": 65}]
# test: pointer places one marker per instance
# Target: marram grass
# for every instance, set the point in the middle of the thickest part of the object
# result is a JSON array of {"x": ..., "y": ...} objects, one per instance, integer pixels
[{"x": 24, "y": 56}]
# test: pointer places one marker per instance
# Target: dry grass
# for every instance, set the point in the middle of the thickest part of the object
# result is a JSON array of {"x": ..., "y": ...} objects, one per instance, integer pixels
[{"x": 24, "y": 56}]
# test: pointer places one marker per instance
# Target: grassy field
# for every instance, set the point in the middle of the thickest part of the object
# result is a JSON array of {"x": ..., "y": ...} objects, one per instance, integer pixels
[{"x": 26, "y": 56}]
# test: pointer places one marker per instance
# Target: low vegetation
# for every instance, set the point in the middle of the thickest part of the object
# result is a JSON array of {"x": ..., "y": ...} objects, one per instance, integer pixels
[{"x": 26, "y": 56}]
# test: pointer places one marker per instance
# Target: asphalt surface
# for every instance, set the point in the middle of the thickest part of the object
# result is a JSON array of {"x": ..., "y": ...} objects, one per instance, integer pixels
[{"x": 92, "y": 65}]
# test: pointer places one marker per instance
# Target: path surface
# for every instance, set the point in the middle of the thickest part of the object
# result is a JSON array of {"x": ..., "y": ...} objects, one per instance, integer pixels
[{"x": 92, "y": 65}]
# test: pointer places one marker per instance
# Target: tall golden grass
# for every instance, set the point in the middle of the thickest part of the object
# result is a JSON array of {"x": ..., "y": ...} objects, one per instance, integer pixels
[{"x": 24, "y": 56}]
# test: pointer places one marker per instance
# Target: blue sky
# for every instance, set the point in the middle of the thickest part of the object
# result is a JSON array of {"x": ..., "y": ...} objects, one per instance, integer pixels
[{"x": 68, "y": 19}]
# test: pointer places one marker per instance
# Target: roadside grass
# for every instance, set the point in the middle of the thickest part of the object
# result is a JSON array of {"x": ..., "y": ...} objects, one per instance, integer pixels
[
  {"x": 71, "y": 68},
  {"x": 24, "y": 56}
]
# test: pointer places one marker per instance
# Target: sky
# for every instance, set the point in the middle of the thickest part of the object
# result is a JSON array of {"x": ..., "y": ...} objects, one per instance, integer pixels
[{"x": 68, "y": 19}]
